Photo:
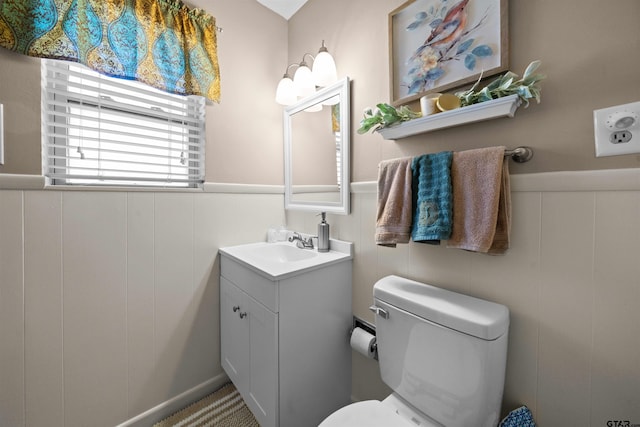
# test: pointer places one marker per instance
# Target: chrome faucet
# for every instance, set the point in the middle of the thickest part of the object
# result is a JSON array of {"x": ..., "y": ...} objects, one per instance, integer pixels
[{"x": 302, "y": 243}]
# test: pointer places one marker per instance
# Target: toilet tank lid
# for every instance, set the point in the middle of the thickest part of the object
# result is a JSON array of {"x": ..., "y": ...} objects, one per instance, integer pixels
[{"x": 473, "y": 316}]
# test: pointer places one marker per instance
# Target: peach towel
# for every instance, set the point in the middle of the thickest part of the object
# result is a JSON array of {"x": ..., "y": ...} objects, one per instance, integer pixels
[
  {"x": 394, "y": 213},
  {"x": 481, "y": 201}
]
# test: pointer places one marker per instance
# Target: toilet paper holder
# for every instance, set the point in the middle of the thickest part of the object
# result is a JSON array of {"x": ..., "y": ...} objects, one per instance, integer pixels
[{"x": 368, "y": 327}]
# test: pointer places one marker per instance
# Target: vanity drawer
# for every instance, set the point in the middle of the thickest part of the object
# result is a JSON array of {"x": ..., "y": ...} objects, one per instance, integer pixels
[{"x": 260, "y": 288}]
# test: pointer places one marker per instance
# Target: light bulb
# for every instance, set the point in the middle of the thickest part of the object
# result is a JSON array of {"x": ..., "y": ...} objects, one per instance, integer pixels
[
  {"x": 303, "y": 81},
  {"x": 324, "y": 68},
  {"x": 286, "y": 91}
]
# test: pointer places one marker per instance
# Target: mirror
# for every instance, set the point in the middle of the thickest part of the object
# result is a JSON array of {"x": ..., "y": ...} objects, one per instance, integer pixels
[{"x": 316, "y": 151}]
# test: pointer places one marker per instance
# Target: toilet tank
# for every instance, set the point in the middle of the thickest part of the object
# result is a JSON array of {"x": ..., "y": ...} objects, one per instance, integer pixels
[{"x": 442, "y": 352}]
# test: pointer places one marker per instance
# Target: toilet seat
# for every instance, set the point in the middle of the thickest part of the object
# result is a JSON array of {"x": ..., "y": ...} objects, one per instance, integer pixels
[{"x": 370, "y": 413}]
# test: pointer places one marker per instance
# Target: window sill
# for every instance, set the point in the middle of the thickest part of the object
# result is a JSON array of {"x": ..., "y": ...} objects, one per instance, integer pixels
[{"x": 38, "y": 182}]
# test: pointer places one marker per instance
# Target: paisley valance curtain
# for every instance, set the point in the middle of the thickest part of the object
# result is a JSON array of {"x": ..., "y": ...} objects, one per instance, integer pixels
[{"x": 162, "y": 43}]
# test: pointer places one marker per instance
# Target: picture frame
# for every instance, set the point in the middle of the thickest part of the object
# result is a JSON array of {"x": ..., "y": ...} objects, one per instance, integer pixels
[{"x": 439, "y": 45}]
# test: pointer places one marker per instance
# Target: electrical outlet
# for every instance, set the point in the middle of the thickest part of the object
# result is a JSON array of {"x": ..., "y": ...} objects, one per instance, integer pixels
[
  {"x": 614, "y": 130},
  {"x": 620, "y": 136}
]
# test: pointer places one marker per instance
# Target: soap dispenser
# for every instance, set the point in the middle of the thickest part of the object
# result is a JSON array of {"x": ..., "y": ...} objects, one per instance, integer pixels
[{"x": 323, "y": 234}]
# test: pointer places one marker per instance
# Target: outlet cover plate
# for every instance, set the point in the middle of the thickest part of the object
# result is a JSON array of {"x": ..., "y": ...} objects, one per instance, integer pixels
[{"x": 608, "y": 121}]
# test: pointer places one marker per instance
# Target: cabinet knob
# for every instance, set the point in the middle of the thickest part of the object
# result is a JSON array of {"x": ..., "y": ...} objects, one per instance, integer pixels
[
  {"x": 243, "y": 315},
  {"x": 236, "y": 308}
]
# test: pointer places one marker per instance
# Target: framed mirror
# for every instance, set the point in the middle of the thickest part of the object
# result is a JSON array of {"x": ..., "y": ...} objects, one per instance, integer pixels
[{"x": 317, "y": 141}]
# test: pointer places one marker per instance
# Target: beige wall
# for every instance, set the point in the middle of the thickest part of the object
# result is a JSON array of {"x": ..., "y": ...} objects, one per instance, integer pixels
[
  {"x": 570, "y": 279},
  {"x": 587, "y": 55},
  {"x": 246, "y": 125},
  {"x": 20, "y": 95},
  {"x": 244, "y": 132},
  {"x": 587, "y": 68},
  {"x": 109, "y": 300},
  {"x": 565, "y": 280}
]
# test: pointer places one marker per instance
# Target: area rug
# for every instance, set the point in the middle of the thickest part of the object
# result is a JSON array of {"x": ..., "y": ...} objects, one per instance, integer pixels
[{"x": 222, "y": 408}]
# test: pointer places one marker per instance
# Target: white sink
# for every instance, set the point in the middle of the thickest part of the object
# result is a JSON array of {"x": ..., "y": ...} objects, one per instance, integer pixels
[
  {"x": 280, "y": 252},
  {"x": 282, "y": 259}
]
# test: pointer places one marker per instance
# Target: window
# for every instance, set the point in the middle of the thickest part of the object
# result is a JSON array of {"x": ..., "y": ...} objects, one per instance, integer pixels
[{"x": 99, "y": 130}]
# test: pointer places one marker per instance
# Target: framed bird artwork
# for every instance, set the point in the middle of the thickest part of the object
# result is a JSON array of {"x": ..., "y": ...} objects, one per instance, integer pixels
[{"x": 439, "y": 45}]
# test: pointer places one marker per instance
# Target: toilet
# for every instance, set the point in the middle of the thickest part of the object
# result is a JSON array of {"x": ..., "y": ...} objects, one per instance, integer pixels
[{"x": 442, "y": 353}]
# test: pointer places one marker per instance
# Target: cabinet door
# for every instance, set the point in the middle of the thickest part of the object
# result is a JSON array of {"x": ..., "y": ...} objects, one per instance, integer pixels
[
  {"x": 263, "y": 396},
  {"x": 234, "y": 334}
]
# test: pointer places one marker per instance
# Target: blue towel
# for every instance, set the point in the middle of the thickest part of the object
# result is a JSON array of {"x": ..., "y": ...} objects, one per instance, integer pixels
[
  {"x": 433, "y": 197},
  {"x": 520, "y": 417}
]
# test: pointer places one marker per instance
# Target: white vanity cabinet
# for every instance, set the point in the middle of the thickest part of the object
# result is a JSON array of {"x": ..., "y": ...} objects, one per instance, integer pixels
[
  {"x": 249, "y": 349},
  {"x": 285, "y": 339}
]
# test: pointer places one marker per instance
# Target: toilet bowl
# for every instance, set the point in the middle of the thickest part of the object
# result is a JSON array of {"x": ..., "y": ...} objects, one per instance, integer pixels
[
  {"x": 442, "y": 353},
  {"x": 374, "y": 413}
]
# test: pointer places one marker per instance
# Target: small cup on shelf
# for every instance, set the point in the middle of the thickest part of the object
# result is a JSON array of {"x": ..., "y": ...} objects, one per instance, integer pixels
[
  {"x": 447, "y": 102},
  {"x": 428, "y": 104}
]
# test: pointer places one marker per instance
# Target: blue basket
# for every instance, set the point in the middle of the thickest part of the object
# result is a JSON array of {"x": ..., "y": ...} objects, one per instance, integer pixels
[{"x": 520, "y": 417}]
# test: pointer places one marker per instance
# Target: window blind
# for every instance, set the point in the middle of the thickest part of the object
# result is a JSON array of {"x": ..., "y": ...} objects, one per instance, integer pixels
[{"x": 99, "y": 130}]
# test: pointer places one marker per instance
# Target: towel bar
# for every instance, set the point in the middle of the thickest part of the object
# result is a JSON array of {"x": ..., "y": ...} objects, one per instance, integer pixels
[{"x": 520, "y": 154}]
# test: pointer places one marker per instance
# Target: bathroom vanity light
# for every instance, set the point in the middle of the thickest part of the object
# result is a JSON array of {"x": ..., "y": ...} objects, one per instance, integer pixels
[
  {"x": 286, "y": 91},
  {"x": 324, "y": 68},
  {"x": 305, "y": 79}
]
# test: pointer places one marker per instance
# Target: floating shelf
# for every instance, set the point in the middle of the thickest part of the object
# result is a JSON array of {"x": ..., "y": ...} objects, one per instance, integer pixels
[{"x": 501, "y": 107}]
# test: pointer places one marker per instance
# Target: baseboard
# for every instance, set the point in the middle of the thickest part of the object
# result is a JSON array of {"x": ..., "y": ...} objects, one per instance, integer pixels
[{"x": 176, "y": 403}]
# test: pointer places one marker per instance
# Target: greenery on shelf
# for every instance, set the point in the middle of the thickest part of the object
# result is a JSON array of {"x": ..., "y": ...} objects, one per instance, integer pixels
[
  {"x": 385, "y": 115},
  {"x": 508, "y": 84},
  {"x": 526, "y": 88}
]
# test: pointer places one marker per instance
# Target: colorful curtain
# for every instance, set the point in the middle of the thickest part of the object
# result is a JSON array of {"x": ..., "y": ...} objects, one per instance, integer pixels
[{"x": 159, "y": 42}]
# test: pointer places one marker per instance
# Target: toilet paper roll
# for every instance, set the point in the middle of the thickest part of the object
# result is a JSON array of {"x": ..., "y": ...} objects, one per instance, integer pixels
[{"x": 363, "y": 342}]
